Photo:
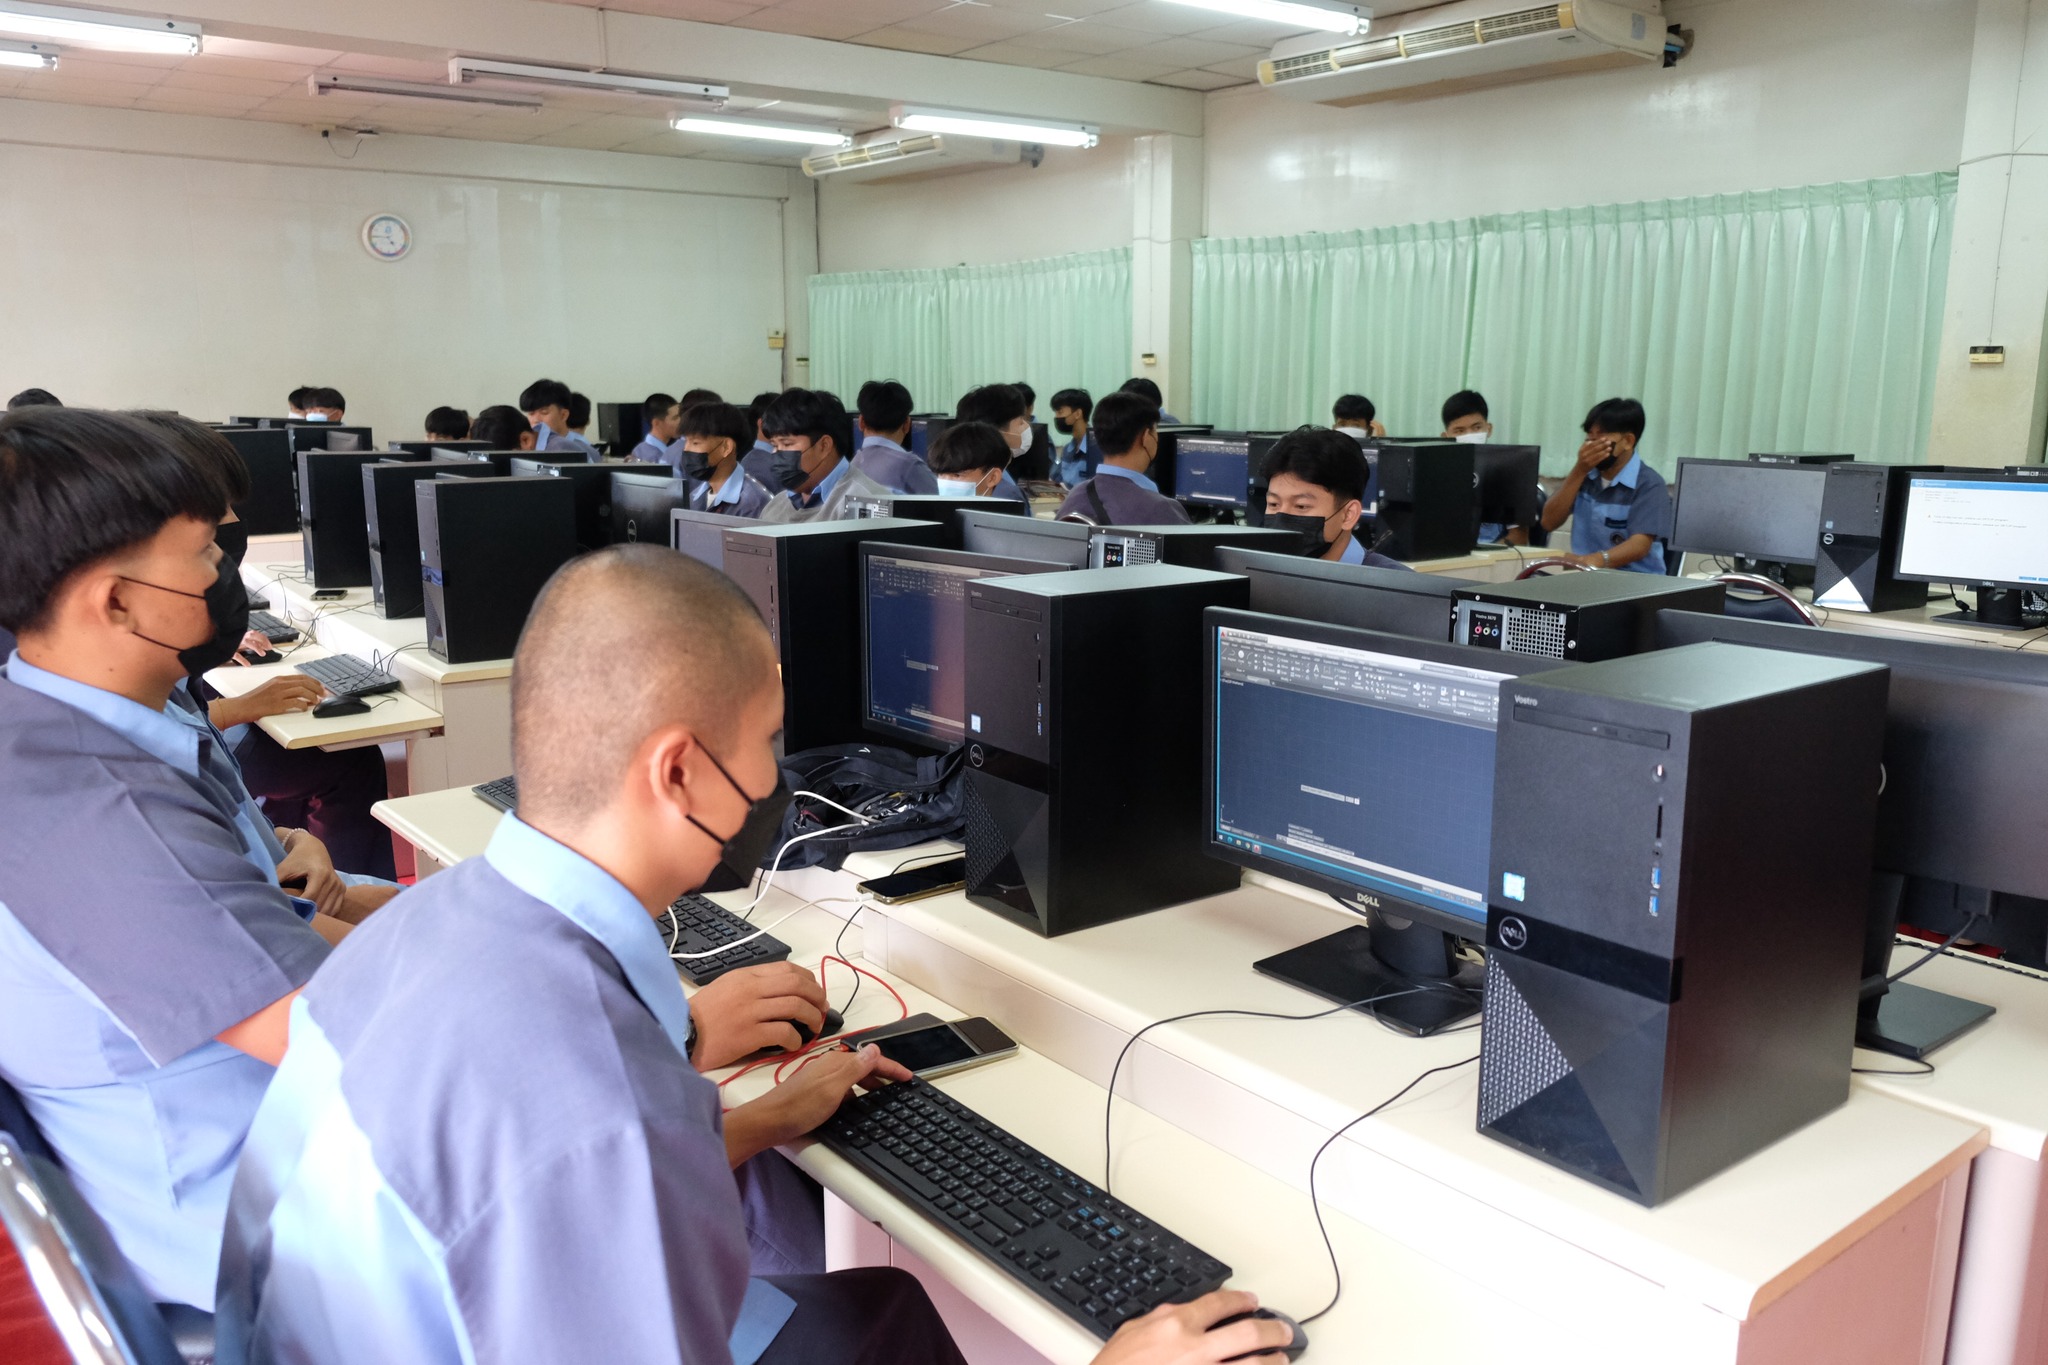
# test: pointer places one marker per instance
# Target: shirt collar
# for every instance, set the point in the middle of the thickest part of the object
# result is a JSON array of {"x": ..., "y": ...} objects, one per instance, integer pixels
[
  {"x": 1133, "y": 475},
  {"x": 730, "y": 494},
  {"x": 824, "y": 490},
  {"x": 596, "y": 902},
  {"x": 154, "y": 732},
  {"x": 1354, "y": 553},
  {"x": 1630, "y": 472},
  {"x": 884, "y": 442}
]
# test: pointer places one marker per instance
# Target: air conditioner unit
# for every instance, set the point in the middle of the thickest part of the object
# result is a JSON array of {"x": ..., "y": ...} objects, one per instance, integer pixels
[
  {"x": 1464, "y": 46},
  {"x": 916, "y": 156}
]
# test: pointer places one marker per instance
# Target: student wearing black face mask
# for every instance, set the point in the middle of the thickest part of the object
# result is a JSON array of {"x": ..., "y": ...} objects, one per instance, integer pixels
[
  {"x": 715, "y": 437},
  {"x": 1315, "y": 487},
  {"x": 813, "y": 437}
]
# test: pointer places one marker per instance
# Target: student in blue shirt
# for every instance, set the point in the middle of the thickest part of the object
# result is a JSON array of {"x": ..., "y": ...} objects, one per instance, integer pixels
[
  {"x": 812, "y": 434},
  {"x": 1072, "y": 411},
  {"x": 1005, "y": 408},
  {"x": 546, "y": 405},
  {"x": 504, "y": 428},
  {"x": 968, "y": 459},
  {"x": 1619, "y": 506},
  {"x": 760, "y": 461},
  {"x": 1122, "y": 492},
  {"x": 663, "y": 417},
  {"x": 1149, "y": 391},
  {"x": 713, "y": 435},
  {"x": 885, "y": 408},
  {"x": 1316, "y": 488}
]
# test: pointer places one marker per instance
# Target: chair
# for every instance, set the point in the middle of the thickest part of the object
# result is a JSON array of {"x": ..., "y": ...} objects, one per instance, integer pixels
[{"x": 1755, "y": 598}]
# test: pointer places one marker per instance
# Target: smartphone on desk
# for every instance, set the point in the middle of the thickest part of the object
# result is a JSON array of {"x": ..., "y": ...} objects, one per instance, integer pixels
[
  {"x": 934, "y": 879},
  {"x": 330, "y": 594},
  {"x": 930, "y": 1046}
]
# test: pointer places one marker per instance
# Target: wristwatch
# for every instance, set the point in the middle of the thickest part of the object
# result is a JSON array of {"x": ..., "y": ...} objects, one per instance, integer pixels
[
  {"x": 690, "y": 1043},
  {"x": 1604, "y": 562}
]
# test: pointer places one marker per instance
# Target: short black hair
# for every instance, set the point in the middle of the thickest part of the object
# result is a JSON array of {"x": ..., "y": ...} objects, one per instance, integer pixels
[
  {"x": 328, "y": 398},
  {"x": 450, "y": 424},
  {"x": 762, "y": 402},
  {"x": 1328, "y": 459},
  {"x": 1615, "y": 416},
  {"x": 34, "y": 398},
  {"x": 303, "y": 397},
  {"x": 967, "y": 446},
  {"x": 544, "y": 393},
  {"x": 1353, "y": 407},
  {"x": 1030, "y": 394},
  {"x": 77, "y": 485},
  {"x": 695, "y": 396},
  {"x": 1077, "y": 399},
  {"x": 720, "y": 419},
  {"x": 499, "y": 425},
  {"x": 657, "y": 405},
  {"x": 207, "y": 449},
  {"x": 996, "y": 404},
  {"x": 1465, "y": 403},
  {"x": 812, "y": 413},
  {"x": 1144, "y": 388},
  {"x": 884, "y": 405},
  {"x": 1121, "y": 418},
  {"x": 579, "y": 410}
]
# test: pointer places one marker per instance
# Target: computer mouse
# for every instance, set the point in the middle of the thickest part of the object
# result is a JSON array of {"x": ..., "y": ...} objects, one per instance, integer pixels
[
  {"x": 1293, "y": 1349},
  {"x": 268, "y": 656},
  {"x": 335, "y": 707},
  {"x": 833, "y": 1023}
]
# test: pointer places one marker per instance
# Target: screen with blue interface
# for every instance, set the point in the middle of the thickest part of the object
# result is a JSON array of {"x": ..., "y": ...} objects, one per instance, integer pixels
[
  {"x": 1369, "y": 768},
  {"x": 916, "y": 645}
]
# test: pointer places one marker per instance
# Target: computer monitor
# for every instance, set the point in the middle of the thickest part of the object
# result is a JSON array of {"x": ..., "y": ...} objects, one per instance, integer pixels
[
  {"x": 913, "y": 621},
  {"x": 433, "y": 450},
  {"x": 924, "y": 429},
  {"x": 261, "y": 423},
  {"x": 937, "y": 507},
  {"x": 1013, "y": 537},
  {"x": 701, "y": 535},
  {"x": 1799, "y": 457},
  {"x": 1986, "y": 529},
  {"x": 1762, "y": 516},
  {"x": 1508, "y": 495},
  {"x": 327, "y": 436},
  {"x": 1360, "y": 764},
  {"x": 1393, "y": 601},
  {"x": 593, "y": 483},
  {"x": 1213, "y": 470},
  {"x": 1965, "y": 781},
  {"x": 643, "y": 504}
]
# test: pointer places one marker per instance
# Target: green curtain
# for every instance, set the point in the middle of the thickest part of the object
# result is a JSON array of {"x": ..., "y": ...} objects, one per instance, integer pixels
[
  {"x": 1052, "y": 323},
  {"x": 1802, "y": 319}
]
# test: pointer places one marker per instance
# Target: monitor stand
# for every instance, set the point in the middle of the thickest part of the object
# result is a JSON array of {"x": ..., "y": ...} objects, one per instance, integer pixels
[
  {"x": 1418, "y": 967},
  {"x": 1903, "y": 1019},
  {"x": 1997, "y": 609}
]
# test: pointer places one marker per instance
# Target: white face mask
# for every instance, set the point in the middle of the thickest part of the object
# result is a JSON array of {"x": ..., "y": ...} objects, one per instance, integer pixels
[
  {"x": 956, "y": 488},
  {"x": 1473, "y": 438},
  {"x": 1022, "y": 443}
]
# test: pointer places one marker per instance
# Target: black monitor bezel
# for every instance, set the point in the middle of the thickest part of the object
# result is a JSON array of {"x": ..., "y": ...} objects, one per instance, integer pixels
[
  {"x": 1346, "y": 895},
  {"x": 1009, "y": 567},
  {"x": 650, "y": 482},
  {"x": 1067, "y": 531},
  {"x": 1677, "y": 543},
  {"x": 1507, "y": 457},
  {"x": 1245, "y": 439},
  {"x": 1955, "y": 475}
]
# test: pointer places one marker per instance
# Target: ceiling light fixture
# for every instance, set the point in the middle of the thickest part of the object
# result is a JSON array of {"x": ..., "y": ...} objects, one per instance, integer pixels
[
  {"x": 922, "y": 120},
  {"x": 1327, "y": 16},
  {"x": 31, "y": 56},
  {"x": 93, "y": 28},
  {"x": 370, "y": 85},
  {"x": 469, "y": 70},
  {"x": 768, "y": 132}
]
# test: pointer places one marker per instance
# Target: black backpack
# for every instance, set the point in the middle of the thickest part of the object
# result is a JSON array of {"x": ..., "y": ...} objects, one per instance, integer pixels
[{"x": 907, "y": 800}]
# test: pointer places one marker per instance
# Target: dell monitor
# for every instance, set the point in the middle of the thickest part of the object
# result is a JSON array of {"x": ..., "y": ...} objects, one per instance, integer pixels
[
  {"x": 1361, "y": 764},
  {"x": 1965, "y": 780},
  {"x": 1392, "y": 601},
  {"x": 1989, "y": 530},
  {"x": 1508, "y": 494},
  {"x": 1765, "y": 517},
  {"x": 642, "y": 505},
  {"x": 1012, "y": 537},
  {"x": 913, "y": 619}
]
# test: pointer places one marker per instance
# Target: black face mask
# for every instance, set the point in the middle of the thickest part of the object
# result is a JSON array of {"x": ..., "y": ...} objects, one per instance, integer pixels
[
  {"x": 233, "y": 539},
  {"x": 227, "y": 607},
  {"x": 698, "y": 465},
  {"x": 745, "y": 851},
  {"x": 1310, "y": 529},
  {"x": 788, "y": 469}
]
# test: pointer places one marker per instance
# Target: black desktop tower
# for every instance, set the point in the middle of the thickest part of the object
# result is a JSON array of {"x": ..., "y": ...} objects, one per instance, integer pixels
[
  {"x": 1862, "y": 510},
  {"x": 487, "y": 547},
  {"x": 1429, "y": 496},
  {"x": 805, "y": 578},
  {"x": 593, "y": 483},
  {"x": 1190, "y": 547},
  {"x": 272, "y": 507},
  {"x": 329, "y": 436},
  {"x": 1672, "y": 972},
  {"x": 1084, "y": 785},
  {"x": 621, "y": 426},
  {"x": 334, "y": 527},
  {"x": 939, "y": 508},
  {"x": 391, "y": 510},
  {"x": 1581, "y": 616}
]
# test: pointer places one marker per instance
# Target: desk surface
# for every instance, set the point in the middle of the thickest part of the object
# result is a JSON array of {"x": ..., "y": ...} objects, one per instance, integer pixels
[
  {"x": 390, "y": 714},
  {"x": 447, "y": 826}
]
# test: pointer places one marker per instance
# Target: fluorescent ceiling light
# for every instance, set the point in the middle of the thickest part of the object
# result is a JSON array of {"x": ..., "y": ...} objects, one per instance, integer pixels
[
  {"x": 466, "y": 70},
  {"x": 1328, "y": 16},
  {"x": 371, "y": 85},
  {"x": 767, "y": 132},
  {"x": 920, "y": 120},
  {"x": 92, "y": 28},
  {"x": 33, "y": 56}
]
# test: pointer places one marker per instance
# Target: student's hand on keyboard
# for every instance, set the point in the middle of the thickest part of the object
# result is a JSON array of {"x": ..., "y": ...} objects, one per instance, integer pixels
[
  {"x": 750, "y": 1009},
  {"x": 1178, "y": 1333},
  {"x": 805, "y": 1100},
  {"x": 306, "y": 861}
]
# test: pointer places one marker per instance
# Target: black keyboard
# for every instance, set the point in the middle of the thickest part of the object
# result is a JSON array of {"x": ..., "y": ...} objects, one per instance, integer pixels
[
  {"x": 345, "y": 676},
  {"x": 502, "y": 792},
  {"x": 1095, "y": 1258},
  {"x": 697, "y": 925},
  {"x": 272, "y": 628}
]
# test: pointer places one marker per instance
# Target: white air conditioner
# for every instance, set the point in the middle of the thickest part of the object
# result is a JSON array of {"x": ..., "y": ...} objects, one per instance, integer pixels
[
  {"x": 914, "y": 156},
  {"x": 1464, "y": 46}
]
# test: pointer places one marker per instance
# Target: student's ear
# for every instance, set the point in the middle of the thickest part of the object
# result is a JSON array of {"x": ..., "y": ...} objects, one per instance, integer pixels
[{"x": 1349, "y": 513}]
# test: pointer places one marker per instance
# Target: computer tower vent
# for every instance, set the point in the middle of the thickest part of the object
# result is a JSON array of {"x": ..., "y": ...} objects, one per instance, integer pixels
[
  {"x": 988, "y": 845},
  {"x": 1542, "y": 633},
  {"x": 1524, "y": 1061}
]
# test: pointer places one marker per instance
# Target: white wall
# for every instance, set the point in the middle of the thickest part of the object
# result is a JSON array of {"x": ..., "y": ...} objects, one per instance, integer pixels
[{"x": 217, "y": 266}]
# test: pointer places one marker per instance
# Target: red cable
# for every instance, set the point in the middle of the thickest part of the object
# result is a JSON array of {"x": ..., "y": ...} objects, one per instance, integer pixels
[{"x": 820, "y": 1045}]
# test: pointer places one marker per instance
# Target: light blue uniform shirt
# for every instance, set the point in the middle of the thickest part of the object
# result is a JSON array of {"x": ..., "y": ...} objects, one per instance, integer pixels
[
  {"x": 823, "y": 490},
  {"x": 139, "y": 917},
  {"x": 741, "y": 496},
  {"x": 1143, "y": 481},
  {"x": 1637, "y": 502},
  {"x": 487, "y": 1143},
  {"x": 544, "y": 439},
  {"x": 651, "y": 451}
]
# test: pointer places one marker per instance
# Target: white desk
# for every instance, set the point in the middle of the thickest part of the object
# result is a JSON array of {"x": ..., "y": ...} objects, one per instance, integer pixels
[
  {"x": 1918, "y": 623},
  {"x": 392, "y": 716},
  {"x": 1487, "y": 564},
  {"x": 442, "y": 826}
]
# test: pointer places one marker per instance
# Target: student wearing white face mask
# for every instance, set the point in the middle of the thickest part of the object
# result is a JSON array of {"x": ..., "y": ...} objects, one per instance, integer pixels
[
  {"x": 969, "y": 459},
  {"x": 1468, "y": 421},
  {"x": 1005, "y": 409}
]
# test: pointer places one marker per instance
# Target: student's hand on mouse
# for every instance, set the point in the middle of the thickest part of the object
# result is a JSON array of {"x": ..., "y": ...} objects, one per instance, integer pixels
[
  {"x": 286, "y": 694},
  {"x": 306, "y": 860},
  {"x": 1178, "y": 1333},
  {"x": 744, "y": 1011},
  {"x": 256, "y": 642}
]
